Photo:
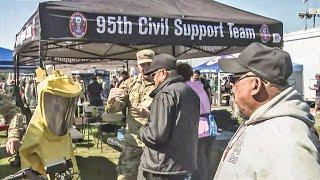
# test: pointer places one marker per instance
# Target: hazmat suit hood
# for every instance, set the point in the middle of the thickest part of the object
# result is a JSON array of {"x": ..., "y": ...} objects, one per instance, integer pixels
[
  {"x": 58, "y": 96},
  {"x": 47, "y": 138}
]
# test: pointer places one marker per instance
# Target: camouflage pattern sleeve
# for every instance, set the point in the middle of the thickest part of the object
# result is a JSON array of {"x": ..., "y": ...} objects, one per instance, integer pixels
[
  {"x": 120, "y": 100},
  {"x": 15, "y": 125},
  {"x": 147, "y": 100},
  {"x": 12, "y": 115}
]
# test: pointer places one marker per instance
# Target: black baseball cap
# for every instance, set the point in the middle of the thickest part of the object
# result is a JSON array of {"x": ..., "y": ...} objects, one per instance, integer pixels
[
  {"x": 162, "y": 61},
  {"x": 270, "y": 63}
]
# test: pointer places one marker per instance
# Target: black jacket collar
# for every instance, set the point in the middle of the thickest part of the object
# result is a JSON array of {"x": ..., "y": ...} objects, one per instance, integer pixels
[{"x": 170, "y": 80}]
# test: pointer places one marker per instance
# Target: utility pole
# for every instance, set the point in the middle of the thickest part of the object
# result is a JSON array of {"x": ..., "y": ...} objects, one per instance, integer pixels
[{"x": 309, "y": 13}]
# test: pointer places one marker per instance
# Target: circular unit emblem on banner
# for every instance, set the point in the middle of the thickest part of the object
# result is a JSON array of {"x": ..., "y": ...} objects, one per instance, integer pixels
[
  {"x": 78, "y": 25},
  {"x": 264, "y": 33}
]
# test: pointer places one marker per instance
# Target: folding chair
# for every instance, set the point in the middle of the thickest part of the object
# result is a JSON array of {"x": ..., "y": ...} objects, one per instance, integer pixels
[{"x": 92, "y": 117}]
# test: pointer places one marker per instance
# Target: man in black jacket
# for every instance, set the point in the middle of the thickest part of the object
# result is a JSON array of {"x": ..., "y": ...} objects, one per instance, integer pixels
[
  {"x": 94, "y": 90},
  {"x": 171, "y": 136}
]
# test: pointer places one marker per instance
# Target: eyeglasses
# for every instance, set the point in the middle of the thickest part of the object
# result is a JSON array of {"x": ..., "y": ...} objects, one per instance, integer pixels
[
  {"x": 154, "y": 73},
  {"x": 236, "y": 78}
]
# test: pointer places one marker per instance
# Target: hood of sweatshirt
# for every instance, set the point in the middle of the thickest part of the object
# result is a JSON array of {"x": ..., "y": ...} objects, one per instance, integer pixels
[{"x": 287, "y": 103}]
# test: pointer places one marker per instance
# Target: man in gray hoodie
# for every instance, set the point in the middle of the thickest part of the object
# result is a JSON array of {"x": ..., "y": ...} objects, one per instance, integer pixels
[{"x": 275, "y": 142}]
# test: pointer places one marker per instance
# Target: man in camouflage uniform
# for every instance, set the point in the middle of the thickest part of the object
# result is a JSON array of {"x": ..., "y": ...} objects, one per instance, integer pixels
[
  {"x": 133, "y": 94},
  {"x": 11, "y": 115}
]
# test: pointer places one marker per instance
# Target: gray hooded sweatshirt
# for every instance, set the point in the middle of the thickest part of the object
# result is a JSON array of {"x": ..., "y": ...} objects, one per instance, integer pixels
[{"x": 275, "y": 143}]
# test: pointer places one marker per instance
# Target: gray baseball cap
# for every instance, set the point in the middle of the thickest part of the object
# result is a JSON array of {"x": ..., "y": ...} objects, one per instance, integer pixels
[{"x": 270, "y": 63}]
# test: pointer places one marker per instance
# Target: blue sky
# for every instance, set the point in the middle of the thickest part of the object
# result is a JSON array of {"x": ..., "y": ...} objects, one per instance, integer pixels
[
  {"x": 14, "y": 13},
  {"x": 283, "y": 10}
]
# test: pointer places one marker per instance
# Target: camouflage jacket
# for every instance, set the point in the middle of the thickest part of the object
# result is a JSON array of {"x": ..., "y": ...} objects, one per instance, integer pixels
[
  {"x": 138, "y": 90},
  {"x": 12, "y": 115}
]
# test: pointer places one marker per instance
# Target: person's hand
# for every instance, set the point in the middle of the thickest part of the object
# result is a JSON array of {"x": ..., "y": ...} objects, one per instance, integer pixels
[
  {"x": 114, "y": 93},
  {"x": 144, "y": 112},
  {"x": 13, "y": 145},
  {"x": 144, "y": 108},
  {"x": 140, "y": 112}
]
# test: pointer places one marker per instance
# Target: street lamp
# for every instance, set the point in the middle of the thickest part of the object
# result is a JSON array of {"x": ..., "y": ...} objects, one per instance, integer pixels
[
  {"x": 305, "y": 15},
  {"x": 311, "y": 12}
]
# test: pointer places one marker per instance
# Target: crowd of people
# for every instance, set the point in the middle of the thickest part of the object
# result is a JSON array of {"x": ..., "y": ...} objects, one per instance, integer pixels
[
  {"x": 168, "y": 131},
  {"x": 27, "y": 90}
]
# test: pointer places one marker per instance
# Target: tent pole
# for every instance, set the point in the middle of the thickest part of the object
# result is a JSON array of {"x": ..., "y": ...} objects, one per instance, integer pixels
[
  {"x": 41, "y": 55},
  {"x": 16, "y": 69},
  {"x": 173, "y": 51},
  {"x": 127, "y": 63},
  {"x": 219, "y": 90}
]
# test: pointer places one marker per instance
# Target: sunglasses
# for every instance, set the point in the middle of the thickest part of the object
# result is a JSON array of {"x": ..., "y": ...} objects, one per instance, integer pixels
[
  {"x": 154, "y": 73},
  {"x": 236, "y": 78}
]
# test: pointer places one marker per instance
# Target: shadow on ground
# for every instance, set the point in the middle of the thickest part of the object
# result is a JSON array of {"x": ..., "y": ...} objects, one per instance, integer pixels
[
  {"x": 3, "y": 152},
  {"x": 6, "y": 170},
  {"x": 85, "y": 144},
  {"x": 96, "y": 167},
  {"x": 3, "y": 135}
]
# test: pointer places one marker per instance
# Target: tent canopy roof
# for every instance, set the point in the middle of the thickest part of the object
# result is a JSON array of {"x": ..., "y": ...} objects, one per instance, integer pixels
[
  {"x": 202, "y": 10},
  {"x": 6, "y": 62},
  {"x": 5, "y": 55},
  {"x": 212, "y": 66},
  {"x": 77, "y": 31}
]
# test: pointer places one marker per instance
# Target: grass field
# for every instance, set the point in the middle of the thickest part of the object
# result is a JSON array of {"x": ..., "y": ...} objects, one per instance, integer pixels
[{"x": 92, "y": 163}]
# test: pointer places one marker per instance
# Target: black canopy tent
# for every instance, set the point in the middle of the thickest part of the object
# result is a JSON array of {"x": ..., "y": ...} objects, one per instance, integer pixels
[{"x": 80, "y": 31}]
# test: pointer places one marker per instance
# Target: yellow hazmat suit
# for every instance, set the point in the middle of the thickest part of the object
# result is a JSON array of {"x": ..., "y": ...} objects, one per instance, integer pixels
[{"x": 47, "y": 138}]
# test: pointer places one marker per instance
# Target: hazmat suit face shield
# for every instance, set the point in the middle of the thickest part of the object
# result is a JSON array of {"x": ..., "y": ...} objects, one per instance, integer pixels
[{"x": 58, "y": 112}]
